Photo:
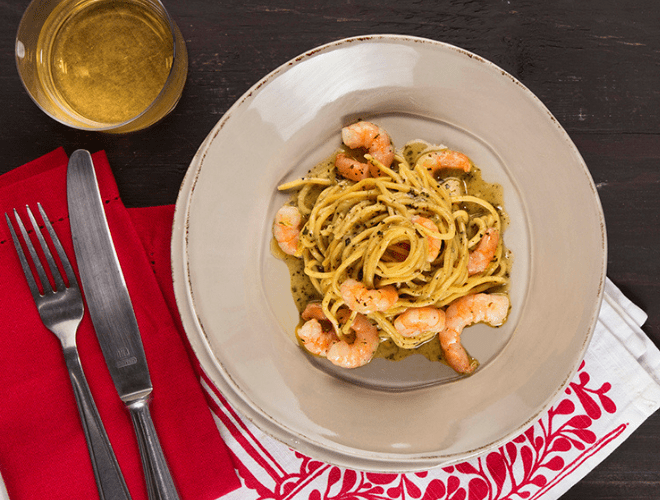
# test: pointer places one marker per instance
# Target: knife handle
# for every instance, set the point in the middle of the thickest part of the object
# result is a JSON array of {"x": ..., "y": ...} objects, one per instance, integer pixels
[
  {"x": 160, "y": 485},
  {"x": 109, "y": 479}
]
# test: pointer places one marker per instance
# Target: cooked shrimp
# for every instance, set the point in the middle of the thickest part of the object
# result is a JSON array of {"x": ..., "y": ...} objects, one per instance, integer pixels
[
  {"x": 375, "y": 140},
  {"x": 286, "y": 229},
  {"x": 351, "y": 169},
  {"x": 317, "y": 339},
  {"x": 361, "y": 350},
  {"x": 481, "y": 307},
  {"x": 417, "y": 320},
  {"x": 439, "y": 160},
  {"x": 313, "y": 310},
  {"x": 433, "y": 242},
  {"x": 481, "y": 256},
  {"x": 364, "y": 300}
]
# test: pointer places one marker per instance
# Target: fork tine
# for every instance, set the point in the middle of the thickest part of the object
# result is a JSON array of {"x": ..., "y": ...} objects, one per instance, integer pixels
[
  {"x": 57, "y": 276},
  {"x": 32, "y": 284},
  {"x": 43, "y": 277},
  {"x": 64, "y": 260}
]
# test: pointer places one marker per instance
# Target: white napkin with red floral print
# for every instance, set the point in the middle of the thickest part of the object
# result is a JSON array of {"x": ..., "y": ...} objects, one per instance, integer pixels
[{"x": 615, "y": 389}]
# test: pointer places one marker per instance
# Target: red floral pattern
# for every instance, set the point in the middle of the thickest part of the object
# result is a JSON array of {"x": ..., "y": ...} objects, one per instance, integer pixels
[{"x": 522, "y": 469}]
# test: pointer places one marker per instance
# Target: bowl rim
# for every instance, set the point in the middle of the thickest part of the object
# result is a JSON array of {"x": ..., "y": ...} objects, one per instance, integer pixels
[{"x": 232, "y": 392}]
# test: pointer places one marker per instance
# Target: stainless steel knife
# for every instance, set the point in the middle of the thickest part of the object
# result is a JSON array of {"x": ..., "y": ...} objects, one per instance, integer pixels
[{"x": 113, "y": 317}]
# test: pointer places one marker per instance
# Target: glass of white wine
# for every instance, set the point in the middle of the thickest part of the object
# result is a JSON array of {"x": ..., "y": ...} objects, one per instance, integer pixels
[{"x": 105, "y": 65}]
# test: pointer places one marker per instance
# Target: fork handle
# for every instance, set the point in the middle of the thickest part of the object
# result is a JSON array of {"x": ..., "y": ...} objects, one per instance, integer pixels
[{"x": 109, "y": 479}]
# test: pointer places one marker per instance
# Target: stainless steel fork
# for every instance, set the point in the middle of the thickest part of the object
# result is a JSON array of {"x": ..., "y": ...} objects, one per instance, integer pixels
[{"x": 61, "y": 310}]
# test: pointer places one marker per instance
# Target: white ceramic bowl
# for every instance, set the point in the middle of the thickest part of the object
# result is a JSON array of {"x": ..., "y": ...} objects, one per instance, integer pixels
[{"x": 234, "y": 297}]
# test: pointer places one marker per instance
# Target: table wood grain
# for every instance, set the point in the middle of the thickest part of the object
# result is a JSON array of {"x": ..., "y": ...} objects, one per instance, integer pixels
[{"x": 595, "y": 64}]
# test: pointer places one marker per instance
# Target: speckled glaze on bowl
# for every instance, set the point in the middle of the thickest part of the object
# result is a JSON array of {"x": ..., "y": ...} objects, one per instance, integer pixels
[{"x": 234, "y": 297}]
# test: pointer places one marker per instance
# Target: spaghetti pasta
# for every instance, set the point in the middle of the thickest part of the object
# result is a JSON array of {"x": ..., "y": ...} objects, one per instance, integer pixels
[{"x": 405, "y": 229}]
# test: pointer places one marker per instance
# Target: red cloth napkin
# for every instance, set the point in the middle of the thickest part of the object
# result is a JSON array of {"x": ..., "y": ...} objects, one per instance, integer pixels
[{"x": 43, "y": 453}]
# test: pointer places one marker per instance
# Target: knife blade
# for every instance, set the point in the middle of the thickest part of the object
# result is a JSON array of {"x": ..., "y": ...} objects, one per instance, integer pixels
[{"x": 111, "y": 310}]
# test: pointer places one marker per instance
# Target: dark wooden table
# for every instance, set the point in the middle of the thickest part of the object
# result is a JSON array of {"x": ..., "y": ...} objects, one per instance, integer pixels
[{"x": 595, "y": 64}]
